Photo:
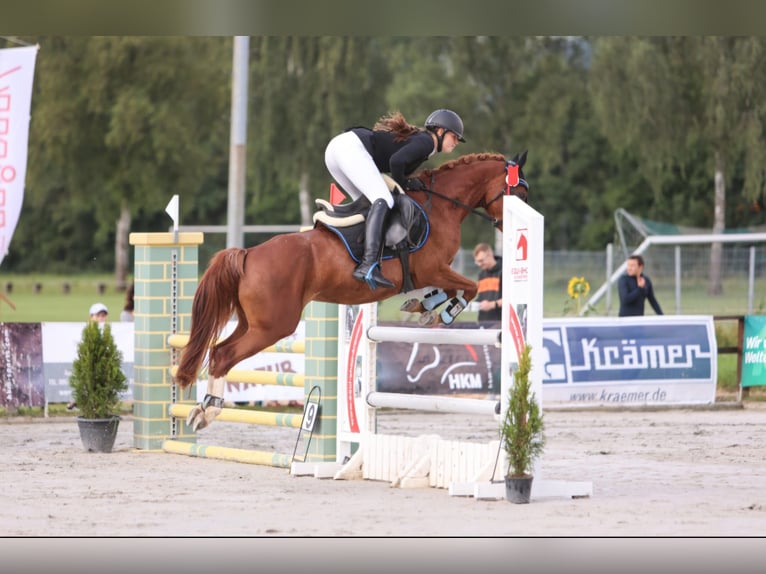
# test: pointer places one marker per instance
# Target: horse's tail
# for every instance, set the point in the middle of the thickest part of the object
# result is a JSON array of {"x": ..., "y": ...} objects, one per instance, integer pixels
[{"x": 215, "y": 301}]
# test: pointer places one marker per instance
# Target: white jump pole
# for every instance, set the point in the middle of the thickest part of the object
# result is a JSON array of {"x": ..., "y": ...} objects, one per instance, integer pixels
[
  {"x": 433, "y": 403},
  {"x": 434, "y": 336},
  {"x": 358, "y": 398}
]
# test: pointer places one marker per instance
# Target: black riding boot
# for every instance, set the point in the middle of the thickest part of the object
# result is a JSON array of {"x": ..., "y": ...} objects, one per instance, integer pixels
[{"x": 369, "y": 269}]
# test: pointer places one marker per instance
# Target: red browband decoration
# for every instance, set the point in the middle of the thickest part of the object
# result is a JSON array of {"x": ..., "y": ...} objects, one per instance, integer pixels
[{"x": 511, "y": 177}]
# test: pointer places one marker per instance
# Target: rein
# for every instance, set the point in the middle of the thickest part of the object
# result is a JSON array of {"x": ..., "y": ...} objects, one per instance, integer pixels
[{"x": 472, "y": 210}]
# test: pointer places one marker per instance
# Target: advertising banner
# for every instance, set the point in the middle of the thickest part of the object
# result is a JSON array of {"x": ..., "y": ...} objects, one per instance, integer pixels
[
  {"x": 274, "y": 362},
  {"x": 21, "y": 366},
  {"x": 662, "y": 360},
  {"x": 754, "y": 351},
  {"x": 17, "y": 67},
  {"x": 426, "y": 369},
  {"x": 665, "y": 360},
  {"x": 59, "y": 350},
  {"x": 630, "y": 361},
  {"x": 39, "y": 356}
]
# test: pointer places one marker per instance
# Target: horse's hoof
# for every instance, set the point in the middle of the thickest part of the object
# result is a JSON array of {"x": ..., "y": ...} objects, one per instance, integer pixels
[
  {"x": 429, "y": 319},
  {"x": 200, "y": 418},
  {"x": 193, "y": 414},
  {"x": 412, "y": 306},
  {"x": 196, "y": 419},
  {"x": 199, "y": 423}
]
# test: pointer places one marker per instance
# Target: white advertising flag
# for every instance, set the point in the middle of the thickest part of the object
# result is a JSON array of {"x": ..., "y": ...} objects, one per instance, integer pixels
[
  {"x": 17, "y": 67},
  {"x": 172, "y": 211}
]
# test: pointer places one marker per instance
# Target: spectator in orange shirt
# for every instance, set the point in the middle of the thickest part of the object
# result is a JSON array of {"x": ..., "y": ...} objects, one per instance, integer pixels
[{"x": 490, "y": 292}]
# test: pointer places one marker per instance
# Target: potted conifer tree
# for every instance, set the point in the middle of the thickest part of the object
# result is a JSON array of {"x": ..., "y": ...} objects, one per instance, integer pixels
[
  {"x": 521, "y": 433},
  {"x": 97, "y": 381}
]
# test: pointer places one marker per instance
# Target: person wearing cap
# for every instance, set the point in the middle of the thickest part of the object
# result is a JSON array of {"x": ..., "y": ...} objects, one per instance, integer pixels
[
  {"x": 98, "y": 312},
  {"x": 357, "y": 157}
]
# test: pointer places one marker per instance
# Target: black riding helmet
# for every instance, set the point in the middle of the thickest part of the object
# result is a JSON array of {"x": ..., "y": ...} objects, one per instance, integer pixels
[{"x": 446, "y": 119}]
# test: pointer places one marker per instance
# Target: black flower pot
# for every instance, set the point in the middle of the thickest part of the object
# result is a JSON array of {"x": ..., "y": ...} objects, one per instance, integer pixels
[
  {"x": 518, "y": 489},
  {"x": 98, "y": 435}
]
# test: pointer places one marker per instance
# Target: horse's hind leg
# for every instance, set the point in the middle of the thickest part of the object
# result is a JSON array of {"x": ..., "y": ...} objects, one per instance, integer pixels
[
  {"x": 225, "y": 356},
  {"x": 205, "y": 412}
]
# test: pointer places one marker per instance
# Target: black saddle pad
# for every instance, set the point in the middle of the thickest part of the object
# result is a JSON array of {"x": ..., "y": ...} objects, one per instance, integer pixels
[{"x": 407, "y": 227}]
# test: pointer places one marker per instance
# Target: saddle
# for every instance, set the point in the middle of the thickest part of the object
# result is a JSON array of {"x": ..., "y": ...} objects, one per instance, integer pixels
[{"x": 406, "y": 229}]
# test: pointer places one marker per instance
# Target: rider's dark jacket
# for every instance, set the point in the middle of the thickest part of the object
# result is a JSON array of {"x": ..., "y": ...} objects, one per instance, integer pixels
[{"x": 399, "y": 158}]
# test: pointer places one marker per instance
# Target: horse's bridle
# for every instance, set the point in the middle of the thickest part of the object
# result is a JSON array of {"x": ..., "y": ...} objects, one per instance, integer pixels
[{"x": 512, "y": 181}]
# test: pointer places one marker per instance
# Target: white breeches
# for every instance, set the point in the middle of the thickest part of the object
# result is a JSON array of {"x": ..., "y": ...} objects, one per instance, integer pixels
[{"x": 352, "y": 167}]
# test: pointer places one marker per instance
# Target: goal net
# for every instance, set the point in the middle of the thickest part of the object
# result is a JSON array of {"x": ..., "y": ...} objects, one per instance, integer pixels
[{"x": 693, "y": 270}]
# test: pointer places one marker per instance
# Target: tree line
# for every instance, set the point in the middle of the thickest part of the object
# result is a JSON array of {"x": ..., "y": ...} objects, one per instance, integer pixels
[{"x": 668, "y": 128}]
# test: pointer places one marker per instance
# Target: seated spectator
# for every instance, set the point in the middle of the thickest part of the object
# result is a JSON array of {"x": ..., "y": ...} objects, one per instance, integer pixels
[{"x": 127, "y": 311}]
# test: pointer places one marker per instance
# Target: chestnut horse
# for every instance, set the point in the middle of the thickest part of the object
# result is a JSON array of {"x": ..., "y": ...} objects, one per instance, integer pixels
[{"x": 268, "y": 285}]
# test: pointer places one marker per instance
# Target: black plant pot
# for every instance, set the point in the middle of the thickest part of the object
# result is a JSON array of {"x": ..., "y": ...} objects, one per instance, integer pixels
[
  {"x": 98, "y": 434},
  {"x": 518, "y": 489}
]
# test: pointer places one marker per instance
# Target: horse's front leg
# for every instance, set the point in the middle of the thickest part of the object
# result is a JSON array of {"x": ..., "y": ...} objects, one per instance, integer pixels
[
  {"x": 205, "y": 412},
  {"x": 450, "y": 283}
]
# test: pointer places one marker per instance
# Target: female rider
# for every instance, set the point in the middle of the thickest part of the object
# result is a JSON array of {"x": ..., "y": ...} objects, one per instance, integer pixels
[{"x": 357, "y": 157}]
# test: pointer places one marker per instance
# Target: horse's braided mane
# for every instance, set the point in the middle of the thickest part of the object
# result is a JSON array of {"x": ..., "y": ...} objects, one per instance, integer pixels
[{"x": 466, "y": 159}]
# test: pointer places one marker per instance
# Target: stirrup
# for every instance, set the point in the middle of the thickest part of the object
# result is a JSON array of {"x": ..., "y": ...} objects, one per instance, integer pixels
[{"x": 370, "y": 277}]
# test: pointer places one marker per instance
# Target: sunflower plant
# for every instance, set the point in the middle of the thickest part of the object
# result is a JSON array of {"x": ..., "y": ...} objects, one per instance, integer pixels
[{"x": 577, "y": 289}]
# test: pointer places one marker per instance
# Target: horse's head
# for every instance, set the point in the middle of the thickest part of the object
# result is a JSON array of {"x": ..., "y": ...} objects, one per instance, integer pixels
[
  {"x": 510, "y": 181},
  {"x": 479, "y": 181}
]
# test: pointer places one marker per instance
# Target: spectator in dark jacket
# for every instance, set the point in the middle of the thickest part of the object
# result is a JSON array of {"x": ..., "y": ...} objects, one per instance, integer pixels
[{"x": 635, "y": 288}]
